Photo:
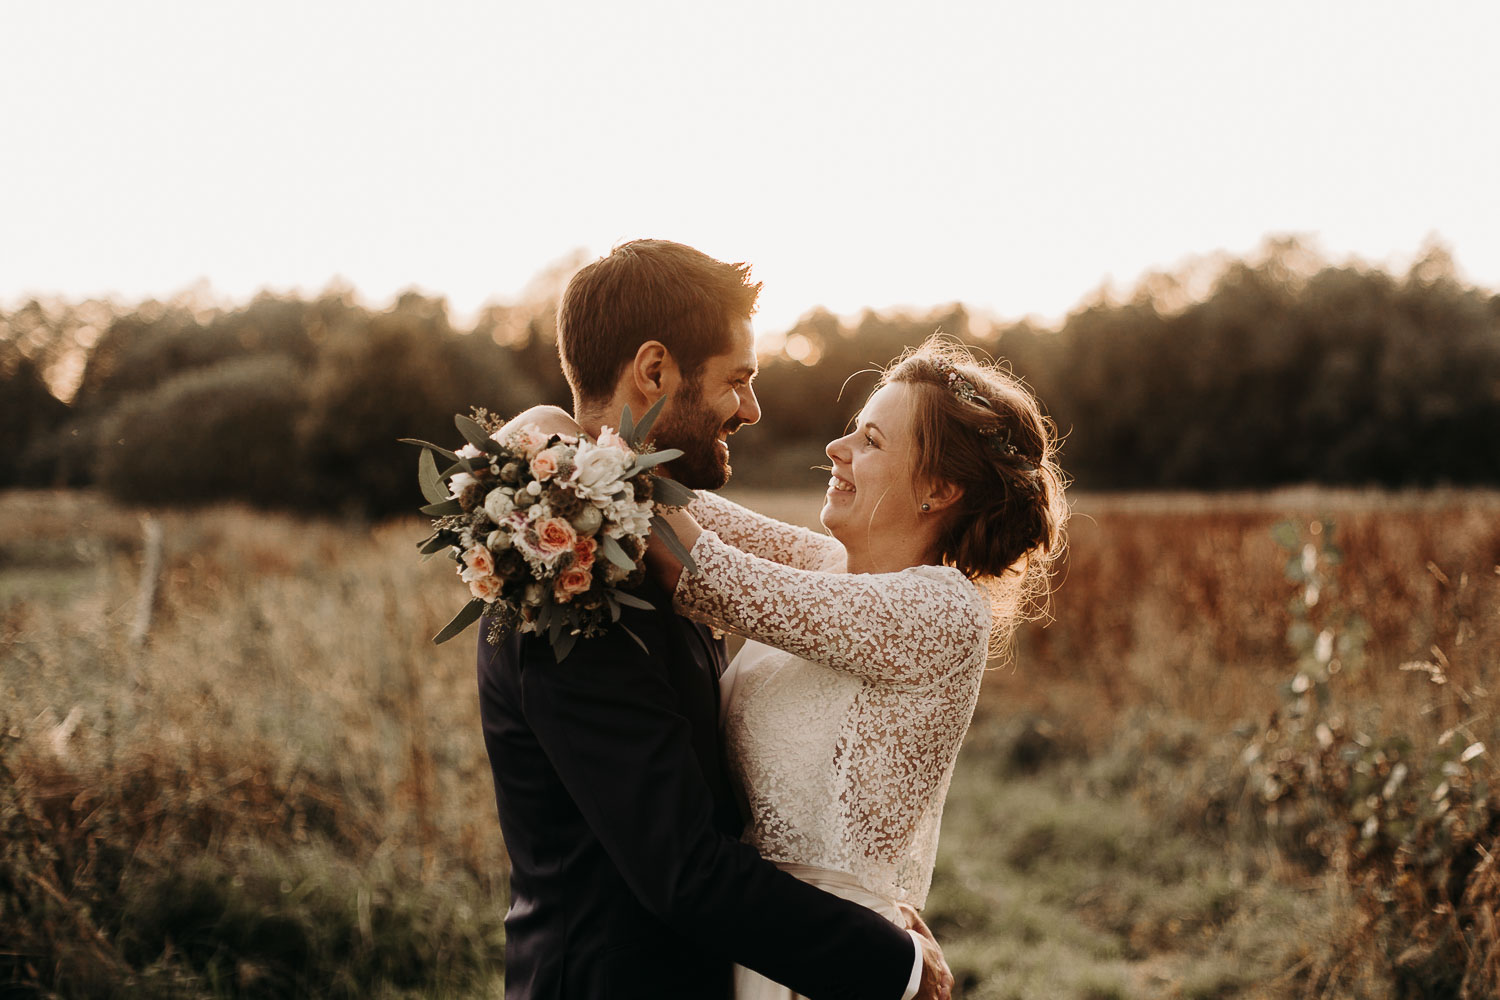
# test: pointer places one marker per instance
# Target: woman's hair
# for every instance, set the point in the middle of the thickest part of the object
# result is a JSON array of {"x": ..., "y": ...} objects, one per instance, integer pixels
[{"x": 978, "y": 427}]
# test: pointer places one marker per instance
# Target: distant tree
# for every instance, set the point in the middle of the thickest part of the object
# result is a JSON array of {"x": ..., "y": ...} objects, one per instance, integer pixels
[
  {"x": 224, "y": 431},
  {"x": 28, "y": 411}
]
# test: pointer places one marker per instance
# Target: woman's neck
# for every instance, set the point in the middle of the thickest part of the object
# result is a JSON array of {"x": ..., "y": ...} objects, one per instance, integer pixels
[{"x": 874, "y": 556}]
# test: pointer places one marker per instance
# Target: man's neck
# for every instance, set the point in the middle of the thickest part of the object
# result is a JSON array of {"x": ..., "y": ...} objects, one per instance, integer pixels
[{"x": 594, "y": 417}]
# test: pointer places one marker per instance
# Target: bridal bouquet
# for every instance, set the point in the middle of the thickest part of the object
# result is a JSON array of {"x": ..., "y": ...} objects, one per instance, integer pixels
[{"x": 547, "y": 529}]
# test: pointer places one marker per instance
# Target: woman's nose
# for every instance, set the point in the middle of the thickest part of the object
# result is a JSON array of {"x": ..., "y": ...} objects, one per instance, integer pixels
[{"x": 838, "y": 449}]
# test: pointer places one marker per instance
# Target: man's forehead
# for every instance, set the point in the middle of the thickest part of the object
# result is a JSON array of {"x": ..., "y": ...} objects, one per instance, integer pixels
[{"x": 741, "y": 354}]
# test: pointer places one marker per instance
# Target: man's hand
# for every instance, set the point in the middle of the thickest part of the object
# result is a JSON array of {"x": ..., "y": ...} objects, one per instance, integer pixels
[{"x": 937, "y": 979}]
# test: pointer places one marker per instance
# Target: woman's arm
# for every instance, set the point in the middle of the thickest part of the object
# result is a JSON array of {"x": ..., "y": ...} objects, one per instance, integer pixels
[
  {"x": 765, "y": 536},
  {"x": 546, "y": 418},
  {"x": 906, "y": 629}
]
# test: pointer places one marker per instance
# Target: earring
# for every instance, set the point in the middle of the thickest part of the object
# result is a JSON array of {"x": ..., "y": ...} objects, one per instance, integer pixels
[{"x": 926, "y": 507}]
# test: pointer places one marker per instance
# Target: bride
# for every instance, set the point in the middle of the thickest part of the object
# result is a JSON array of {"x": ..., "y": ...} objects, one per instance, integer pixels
[{"x": 844, "y": 711}]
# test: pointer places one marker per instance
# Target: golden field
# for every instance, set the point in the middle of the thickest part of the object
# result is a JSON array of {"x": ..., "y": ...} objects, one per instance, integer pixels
[{"x": 1167, "y": 791}]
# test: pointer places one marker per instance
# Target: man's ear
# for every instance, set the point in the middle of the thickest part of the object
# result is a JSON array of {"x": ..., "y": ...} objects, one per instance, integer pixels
[
  {"x": 653, "y": 371},
  {"x": 942, "y": 494}
]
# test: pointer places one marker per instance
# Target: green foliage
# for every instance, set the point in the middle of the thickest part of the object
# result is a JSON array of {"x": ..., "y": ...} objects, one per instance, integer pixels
[
  {"x": 1286, "y": 370},
  {"x": 28, "y": 412},
  {"x": 219, "y": 432},
  {"x": 1411, "y": 822},
  {"x": 1277, "y": 369},
  {"x": 128, "y": 880}
]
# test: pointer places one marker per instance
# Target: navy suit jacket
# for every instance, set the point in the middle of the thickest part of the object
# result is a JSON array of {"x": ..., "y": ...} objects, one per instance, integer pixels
[{"x": 627, "y": 877}]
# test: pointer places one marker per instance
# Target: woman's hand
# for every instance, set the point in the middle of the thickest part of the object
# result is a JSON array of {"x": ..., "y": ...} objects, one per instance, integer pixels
[
  {"x": 663, "y": 566},
  {"x": 547, "y": 419}
]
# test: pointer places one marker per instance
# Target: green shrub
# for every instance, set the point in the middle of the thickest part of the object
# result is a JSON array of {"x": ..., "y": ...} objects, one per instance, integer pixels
[{"x": 224, "y": 431}]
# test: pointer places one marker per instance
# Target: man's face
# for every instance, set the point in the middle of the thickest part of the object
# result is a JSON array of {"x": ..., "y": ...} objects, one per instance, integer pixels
[{"x": 703, "y": 412}]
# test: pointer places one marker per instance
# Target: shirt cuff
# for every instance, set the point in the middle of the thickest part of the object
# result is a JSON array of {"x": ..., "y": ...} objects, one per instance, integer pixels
[{"x": 915, "y": 982}]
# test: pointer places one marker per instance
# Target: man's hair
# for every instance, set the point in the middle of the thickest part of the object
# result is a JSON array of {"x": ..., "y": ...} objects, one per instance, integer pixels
[{"x": 648, "y": 290}]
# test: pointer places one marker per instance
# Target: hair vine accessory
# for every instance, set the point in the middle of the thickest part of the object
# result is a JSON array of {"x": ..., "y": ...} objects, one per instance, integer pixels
[
  {"x": 996, "y": 437},
  {"x": 958, "y": 385}
]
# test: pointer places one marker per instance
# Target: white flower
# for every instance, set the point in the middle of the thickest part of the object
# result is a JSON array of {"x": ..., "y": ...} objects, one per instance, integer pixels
[
  {"x": 498, "y": 541},
  {"x": 624, "y": 516},
  {"x": 597, "y": 468},
  {"x": 500, "y": 503},
  {"x": 460, "y": 482},
  {"x": 469, "y": 451}
]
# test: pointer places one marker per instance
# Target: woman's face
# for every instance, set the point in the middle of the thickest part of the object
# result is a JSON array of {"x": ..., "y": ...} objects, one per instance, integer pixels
[{"x": 872, "y": 500}]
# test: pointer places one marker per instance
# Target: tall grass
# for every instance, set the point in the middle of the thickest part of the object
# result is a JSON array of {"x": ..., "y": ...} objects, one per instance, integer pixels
[{"x": 284, "y": 792}]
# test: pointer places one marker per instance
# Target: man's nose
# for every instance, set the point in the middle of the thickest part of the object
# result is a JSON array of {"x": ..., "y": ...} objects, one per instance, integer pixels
[{"x": 749, "y": 411}]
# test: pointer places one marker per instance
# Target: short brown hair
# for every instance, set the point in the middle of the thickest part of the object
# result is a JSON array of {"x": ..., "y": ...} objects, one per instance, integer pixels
[
  {"x": 648, "y": 290},
  {"x": 1001, "y": 452}
]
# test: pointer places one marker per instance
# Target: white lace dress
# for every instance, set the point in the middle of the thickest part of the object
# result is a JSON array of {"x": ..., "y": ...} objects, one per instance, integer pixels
[{"x": 844, "y": 712}]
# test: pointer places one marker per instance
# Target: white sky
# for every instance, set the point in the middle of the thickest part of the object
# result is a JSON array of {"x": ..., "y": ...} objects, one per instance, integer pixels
[{"x": 1009, "y": 155}]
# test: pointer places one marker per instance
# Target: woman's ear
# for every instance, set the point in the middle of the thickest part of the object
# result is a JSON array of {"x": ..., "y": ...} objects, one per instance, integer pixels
[
  {"x": 941, "y": 495},
  {"x": 653, "y": 371}
]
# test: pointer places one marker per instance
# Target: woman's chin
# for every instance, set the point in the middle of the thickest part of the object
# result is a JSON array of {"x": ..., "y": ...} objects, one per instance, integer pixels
[{"x": 832, "y": 519}]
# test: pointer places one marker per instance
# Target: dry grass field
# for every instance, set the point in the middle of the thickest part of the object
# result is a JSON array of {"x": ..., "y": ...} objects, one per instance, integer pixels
[{"x": 1249, "y": 757}]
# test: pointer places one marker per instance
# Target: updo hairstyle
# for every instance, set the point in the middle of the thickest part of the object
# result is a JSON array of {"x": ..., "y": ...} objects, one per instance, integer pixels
[{"x": 978, "y": 427}]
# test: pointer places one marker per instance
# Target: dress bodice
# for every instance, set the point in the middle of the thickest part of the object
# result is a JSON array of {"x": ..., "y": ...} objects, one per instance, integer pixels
[{"x": 846, "y": 709}]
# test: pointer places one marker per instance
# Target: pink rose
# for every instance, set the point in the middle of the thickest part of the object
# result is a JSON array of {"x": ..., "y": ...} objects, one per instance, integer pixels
[
  {"x": 527, "y": 440},
  {"x": 486, "y": 588},
  {"x": 574, "y": 580},
  {"x": 583, "y": 552},
  {"x": 480, "y": 560},
  {"x": 554, "y": 535},
  {"x": 544, "y": 464}
]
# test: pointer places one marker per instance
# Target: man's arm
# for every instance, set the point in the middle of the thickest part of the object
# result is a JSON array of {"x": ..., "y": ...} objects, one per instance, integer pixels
[{"x": 609, "y": 722}]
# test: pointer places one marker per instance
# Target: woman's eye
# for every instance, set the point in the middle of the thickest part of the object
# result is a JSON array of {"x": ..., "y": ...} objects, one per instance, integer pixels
[{"x": 869, "y": 441}]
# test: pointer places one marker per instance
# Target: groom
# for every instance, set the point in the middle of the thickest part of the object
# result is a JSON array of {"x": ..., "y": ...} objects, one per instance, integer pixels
[{"x": 628, "y": 878}]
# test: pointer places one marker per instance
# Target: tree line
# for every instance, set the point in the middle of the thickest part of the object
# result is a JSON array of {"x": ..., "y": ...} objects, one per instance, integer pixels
[{"x": 1281, "y": 368}]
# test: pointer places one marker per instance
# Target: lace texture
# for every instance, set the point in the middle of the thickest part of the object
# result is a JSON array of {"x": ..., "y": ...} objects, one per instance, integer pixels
[{"x": 847, "y": 708}]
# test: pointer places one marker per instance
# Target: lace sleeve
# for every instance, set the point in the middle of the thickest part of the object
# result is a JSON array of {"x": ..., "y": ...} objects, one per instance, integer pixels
[
  {"x": 765, "y": 536},
  {"x": 907, "y": 629}
]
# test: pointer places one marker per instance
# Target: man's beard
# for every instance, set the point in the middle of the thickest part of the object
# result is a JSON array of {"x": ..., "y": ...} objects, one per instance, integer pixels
[{"x": 687, "y": 424}]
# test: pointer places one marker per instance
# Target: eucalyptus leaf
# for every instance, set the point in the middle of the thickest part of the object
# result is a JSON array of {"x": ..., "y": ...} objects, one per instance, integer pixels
[
  {"x": 670, "y": 493},
  {"x": 652, "y": 459},
  {"x": 631, "y": 601},
  {"x": 627, "y": 425},
  {"x": 637, "y": 639},
  {"x": 563, "y": 645},
  {"x": 434, "y": 545},
  {"x": 467, "y": 615},
  {"x": 615, "y": 554},
  {"x": 648, "y": 420},
  {"x": 428, "y": 478},
  {"x": 443, "y": 508},
  {"x": 450, "y": 455},
  {"x": 614, "y": 605},
  {"x": 474, "y": 433},
  {"x": 668, "y": 536},
  {"x": 462, "y": 465}
]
